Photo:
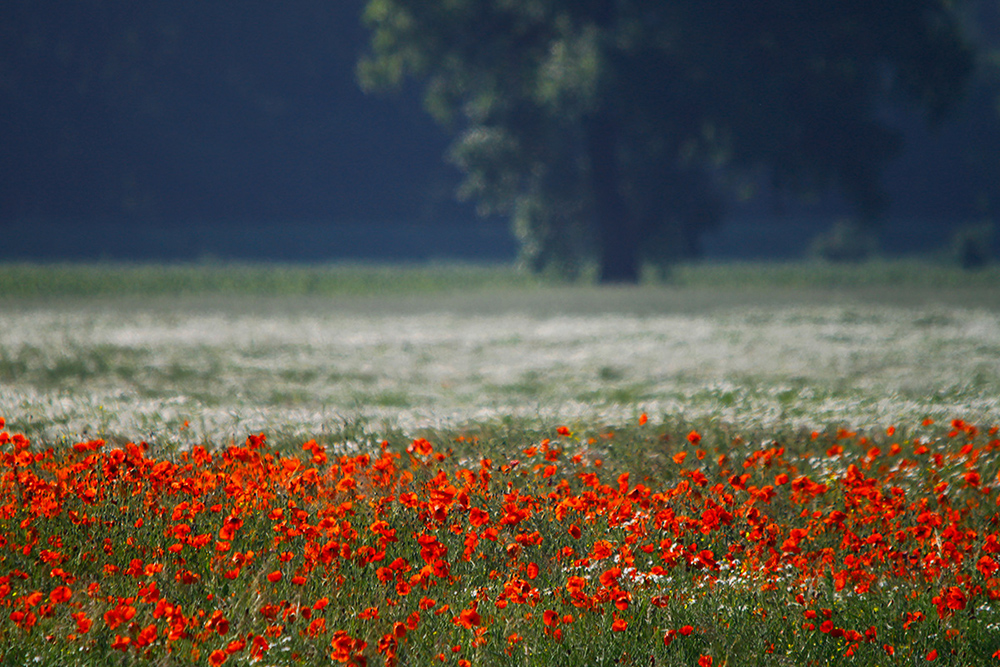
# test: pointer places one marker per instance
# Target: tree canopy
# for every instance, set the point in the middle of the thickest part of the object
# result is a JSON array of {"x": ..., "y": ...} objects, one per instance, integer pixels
[{"x": 614, "y": 130}]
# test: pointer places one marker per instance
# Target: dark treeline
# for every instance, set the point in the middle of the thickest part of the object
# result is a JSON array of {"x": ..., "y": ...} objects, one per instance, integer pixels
[
  {"x": 192, "y": 112},
  {"x": 176, "y": 110}
]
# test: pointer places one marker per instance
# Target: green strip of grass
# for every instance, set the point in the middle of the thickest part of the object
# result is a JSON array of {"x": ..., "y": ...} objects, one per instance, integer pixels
[
  {"x": 106, "y": 279},
  {"x": 35, "y": 280},
  {"x": 817, "y": 274}
]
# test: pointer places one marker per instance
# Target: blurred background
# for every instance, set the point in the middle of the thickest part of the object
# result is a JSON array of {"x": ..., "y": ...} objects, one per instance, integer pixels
[{"x": 186, "y": 130}]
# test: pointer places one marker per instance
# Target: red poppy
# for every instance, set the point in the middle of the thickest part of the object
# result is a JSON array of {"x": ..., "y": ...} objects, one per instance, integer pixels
[
  {"x": 60, "y": 594},
  {"x": 609, "y": 578},
  {"x": 469, "y": 618},
  {"x": 317, "y": 627},
  {"x": 478, "y": 517}
]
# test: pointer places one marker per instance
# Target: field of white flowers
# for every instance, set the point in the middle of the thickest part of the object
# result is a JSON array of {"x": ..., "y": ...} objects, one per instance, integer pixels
[{"x": 191, "y": 369}]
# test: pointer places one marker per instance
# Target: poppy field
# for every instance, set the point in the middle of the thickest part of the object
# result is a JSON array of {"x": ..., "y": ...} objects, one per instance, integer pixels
[
  {"x": 524, "y": 476},
  {"x": 706, "y": 549}
]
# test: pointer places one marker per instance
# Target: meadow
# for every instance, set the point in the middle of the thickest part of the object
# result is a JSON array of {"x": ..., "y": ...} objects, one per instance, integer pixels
[{"x": 741, "y": 465}]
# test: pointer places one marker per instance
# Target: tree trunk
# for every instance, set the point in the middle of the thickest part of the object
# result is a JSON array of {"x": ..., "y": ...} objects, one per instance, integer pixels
[{"x": 616, "y": 226}]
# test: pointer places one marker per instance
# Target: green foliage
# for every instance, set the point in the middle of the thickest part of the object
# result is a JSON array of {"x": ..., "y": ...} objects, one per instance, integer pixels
[{"x": 601, "y": 127}]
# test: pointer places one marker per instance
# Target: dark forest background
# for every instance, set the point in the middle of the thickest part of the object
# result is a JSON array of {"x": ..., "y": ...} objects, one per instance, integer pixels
[{"x": 185, "y": 129}]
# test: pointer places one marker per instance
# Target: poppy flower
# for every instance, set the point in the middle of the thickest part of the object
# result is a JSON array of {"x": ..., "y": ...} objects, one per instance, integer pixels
[
  {"x": 469, "y": 618},
  {"x": 60, "y": 594}
]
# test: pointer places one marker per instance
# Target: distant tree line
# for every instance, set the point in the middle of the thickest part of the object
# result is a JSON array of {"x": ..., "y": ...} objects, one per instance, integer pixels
[
  {"x": 609, "y": 132},
  {"x": 189, "y": 112}
]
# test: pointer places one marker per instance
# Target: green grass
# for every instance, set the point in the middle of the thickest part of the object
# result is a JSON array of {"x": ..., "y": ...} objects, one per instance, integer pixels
[
  {"x": 238, "y": 348},
  {"x": 27, "y": 281},
  {"x": 35, "y": 280},
  {"x": 908, "y": 273}
]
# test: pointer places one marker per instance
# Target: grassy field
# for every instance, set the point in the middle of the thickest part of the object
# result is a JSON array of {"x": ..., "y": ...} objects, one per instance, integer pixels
[
  {"x": 127, "y": 351},
  {"x": 615, "y": 424}
]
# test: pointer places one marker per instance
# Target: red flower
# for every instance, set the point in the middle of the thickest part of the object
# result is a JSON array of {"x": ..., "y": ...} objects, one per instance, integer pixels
[
  {"x": 468, "y": 618},
  {"x": 60, "y": 594},
  {"x": 217, "y": 657},
  {"x": 274, "y": 577},
  {"x": 987, "y": 566},
  {"x": 83, "y": 623},
  {"x": 609, "y": 578},
  {"x": 343, "y": 645},
  {"x": 146, "y": 636},
  {"x": 694, "y": 437},
  {"x": 955, "y": 598},
  {"x": 317, "y": 627},
  {"x": 705, "y": 661}
]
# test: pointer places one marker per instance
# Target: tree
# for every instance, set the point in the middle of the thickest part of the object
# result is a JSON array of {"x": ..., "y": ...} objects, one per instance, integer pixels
[{"x": 613, "y": 129}]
